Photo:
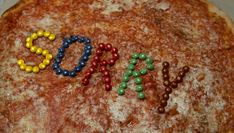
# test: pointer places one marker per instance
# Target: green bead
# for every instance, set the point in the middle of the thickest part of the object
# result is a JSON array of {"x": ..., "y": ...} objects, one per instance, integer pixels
[
  {"x": 150, "y": 66},
  {"x": 149, "y": 60},
  {"x": 136, "y": 74},
  {"x": 143, "y": 71},
  {"x": 141, "y": 95},
  {"x": 131, "y": 67},
  {"x": 138, "y": 80},
  {"x": 135, "y": 56},
  {"x": 142, "y": 56},
  {"x": 121, "y": 91},
  {"x": 123, "y": 85},
  {"x": 139, "y": 88},
  {"x": 133, "y": 61},
  {"x": 128, "y": 73},
  {"x": 125, "y": 78}
]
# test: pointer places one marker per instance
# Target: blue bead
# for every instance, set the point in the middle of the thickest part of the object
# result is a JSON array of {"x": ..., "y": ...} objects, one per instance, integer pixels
[
  {"x": 88, "y": 52},
  {"x": 87, "y": 40},
  {"x": 81, "y": 39},
  {"x": 78, "y": 68},
  {"x": 57, "y": 60},
  {"x": 59, "y": 71},
  {"x": 82, "y": 63},
  {"x": 88, "y": 47},
  {"x": 68, "y": 40},
  {"x": 55, "y": 66},
  {"x": 65, "y": 73},
  {"x": 65, "y": 44},
  {"x": 60, "y": 55},
  {"x": 85, "y": 57},
  {"x": 72, "y": 74},
  {"x": 74, "y": 38},
  {"x": 62, "y": 50}
]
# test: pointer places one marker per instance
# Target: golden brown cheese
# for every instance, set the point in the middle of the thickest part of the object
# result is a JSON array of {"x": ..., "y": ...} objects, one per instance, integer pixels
[{"x": 181, "y": 32}]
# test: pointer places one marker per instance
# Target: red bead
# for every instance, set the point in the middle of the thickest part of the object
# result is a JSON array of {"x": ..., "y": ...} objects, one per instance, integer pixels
[
  {"x": 108, "y": 47},
  {"x": 87, "y": 74},
  {"x": 108, "y": 87},
  {"x": 107, "y": 80},
  {"x": 102, "y": 69},
  {"x": 101, "y": 46},
  {"x": 115, "y": 56},
  {"x": 111, "y": 62},
  {"x": 91, "y": 70},
  {"x": 99, "y": 52},
  {"x": 94, "y": 64},
  {"x": 106, "y": 73},
  {"x": 96, "y": 58},
  {"x": 114, "y": 50},
  {"x": 85, "y": 81},
  {"x": 103, "y": 63}
]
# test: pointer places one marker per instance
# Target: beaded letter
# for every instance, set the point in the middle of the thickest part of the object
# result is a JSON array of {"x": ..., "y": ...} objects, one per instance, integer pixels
[
  {"x": 37, "y": 50},
  {"x": 131, "y": 72}
]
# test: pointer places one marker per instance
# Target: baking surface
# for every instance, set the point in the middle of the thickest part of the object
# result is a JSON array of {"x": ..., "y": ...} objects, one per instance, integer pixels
[{"x": 226, "y": 5}]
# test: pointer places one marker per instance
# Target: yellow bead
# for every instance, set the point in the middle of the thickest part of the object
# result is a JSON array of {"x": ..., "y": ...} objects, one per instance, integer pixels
[
  {"x": 28, "y": 44},
  {"x": 33, "y": 49},
  {"x": 49, "y": 56},
  {"x": 44, "y": 52},
  {"x": 46, "y": 61},
  {"x": 42, "y": 66},
  {"x": 35, "y": 69},
  {"x": 52, "y": 37},
  {"x": 28, "y": 69},
  {"x": 40, "y": 33},
  {"x": 39, "y": 51},
  {"x": 20, "y": 62},
  {"x": 22, "y": 67},
  {"x": 34, "y": 36},
  {"x": 46, "y": 34},
  {"x": 29, "y": 39}
]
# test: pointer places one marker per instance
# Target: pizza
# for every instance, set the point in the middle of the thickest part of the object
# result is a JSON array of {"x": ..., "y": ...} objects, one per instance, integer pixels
[{"x": 172, "y": 36}]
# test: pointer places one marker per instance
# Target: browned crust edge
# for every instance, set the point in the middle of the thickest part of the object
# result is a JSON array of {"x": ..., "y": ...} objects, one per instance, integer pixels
[
  {"x": 15, "y": 8},
  {"x": 214, "y": 9}
]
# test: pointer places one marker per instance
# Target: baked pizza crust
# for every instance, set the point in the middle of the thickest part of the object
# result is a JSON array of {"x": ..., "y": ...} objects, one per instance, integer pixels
[
  {"x": 219, "y": 12},
  {"x": 211, "y": 7},
  {"x": 66, "y": 112}
]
